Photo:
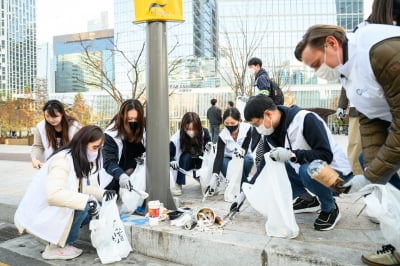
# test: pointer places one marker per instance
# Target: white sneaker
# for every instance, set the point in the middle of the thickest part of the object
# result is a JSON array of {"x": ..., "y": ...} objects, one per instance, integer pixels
[
  {"x": 177, "y": 191},
  {"x": 53, "y": 252}
]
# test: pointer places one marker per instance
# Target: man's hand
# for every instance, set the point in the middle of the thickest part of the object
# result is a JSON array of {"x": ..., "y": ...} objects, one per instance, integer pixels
[
  {"x": 125, "y": 182},
  {"x": 340, "y": 113},
  {"x": 109, "y": 194},
  {"x": 281, "y": 154},
  {"x": 174, "y": 165},
  {"x": 356, "y": 183},
  {"x": 36, "y": 163}
]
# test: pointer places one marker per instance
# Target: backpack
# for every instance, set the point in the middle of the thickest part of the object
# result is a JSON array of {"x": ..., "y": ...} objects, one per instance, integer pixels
[{"x": 275, "y": 92}]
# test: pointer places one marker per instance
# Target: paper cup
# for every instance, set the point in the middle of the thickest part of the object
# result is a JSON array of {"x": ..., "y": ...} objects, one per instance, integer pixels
[{"x": 154, "y": 209}]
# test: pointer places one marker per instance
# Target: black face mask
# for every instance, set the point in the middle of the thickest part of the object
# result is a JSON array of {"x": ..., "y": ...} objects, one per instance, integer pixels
[
  {"x": 133, "y": 125},
  {"x": 232, "y": 128}
]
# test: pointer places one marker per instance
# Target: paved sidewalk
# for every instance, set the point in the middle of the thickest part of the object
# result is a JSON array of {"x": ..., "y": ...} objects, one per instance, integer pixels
[{"x": 242, "y": 242}]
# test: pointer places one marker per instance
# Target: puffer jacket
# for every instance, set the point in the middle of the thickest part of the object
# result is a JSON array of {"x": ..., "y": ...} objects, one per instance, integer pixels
[{"x": 381, "y": 139}]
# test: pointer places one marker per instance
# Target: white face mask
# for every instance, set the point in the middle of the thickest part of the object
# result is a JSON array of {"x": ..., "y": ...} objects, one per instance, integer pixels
[
  {"x": 328, "y": 73},
  {"x": 91, "y": 155},
  {"x": 261, "y": 129},
  {"x": 252, "y": 71},
  {"x": 190, "y": 133}
]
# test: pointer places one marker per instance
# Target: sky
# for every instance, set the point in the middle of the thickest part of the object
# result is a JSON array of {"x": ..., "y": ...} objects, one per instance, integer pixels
[{"x": 58, "y": 17}]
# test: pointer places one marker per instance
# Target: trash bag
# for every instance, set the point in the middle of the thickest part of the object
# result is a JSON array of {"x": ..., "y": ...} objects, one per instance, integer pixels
[
  {"x": 131, "y": 199},
  {"x": 205, "y": 171},
  {"x": 234, "y": 175},
  {"x": 271, "y": 195},
  {"x": 383, "y": 203},
  {"x": 108, "y": 234}
]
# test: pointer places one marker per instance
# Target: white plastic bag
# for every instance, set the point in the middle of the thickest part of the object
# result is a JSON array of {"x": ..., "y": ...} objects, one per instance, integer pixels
[
  {"x": 384, "y": 204},
  {"x": 131, "y": 199},
  {"x": 108, "y": 234},
  {"x": 234, "y": 175},
  {"x": 205, "y": 171},
  {"x": 271, "y": 195}
]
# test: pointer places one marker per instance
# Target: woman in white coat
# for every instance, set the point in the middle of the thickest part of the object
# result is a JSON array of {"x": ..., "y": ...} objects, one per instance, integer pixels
[
  {"x": 56, "y": 203},
  {"x": 56, "y": 130}
]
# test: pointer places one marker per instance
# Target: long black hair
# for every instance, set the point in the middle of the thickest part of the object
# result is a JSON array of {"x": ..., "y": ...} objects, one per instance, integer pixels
[
  {"x": 188, "y": 144},
  {"x": 78, "y": 149}
]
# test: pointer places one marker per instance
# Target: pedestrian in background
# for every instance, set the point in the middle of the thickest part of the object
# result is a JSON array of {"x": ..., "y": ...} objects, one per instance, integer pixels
[
  {"x": 56, "y": 203},
  {"x": 56, "y": 130},
  {"x": 186, "y": 147},
  {"x": 214, "y": 116},
  {"x": 125, "y": 141}
]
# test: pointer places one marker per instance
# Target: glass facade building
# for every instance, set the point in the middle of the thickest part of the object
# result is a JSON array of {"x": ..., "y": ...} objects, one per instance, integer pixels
[
  {"x": 17, "y": 46},
  {"x": 72, "y": 73},
  {"x": 192, "y": 43}
]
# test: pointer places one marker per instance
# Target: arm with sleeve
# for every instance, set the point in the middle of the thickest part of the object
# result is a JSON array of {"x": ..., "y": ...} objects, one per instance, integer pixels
[
  {"x": 206, "y": 137},
  {"x": 37, "y": 146},
  {"x": 247, "y": 140},
  {"x": 263, "y": 83},
  {"x": 219, "y": 157},
  {"x": 110, "y": 157},
  {"x": 314, "y": 133},
  {"x": 172, "y": 151}
]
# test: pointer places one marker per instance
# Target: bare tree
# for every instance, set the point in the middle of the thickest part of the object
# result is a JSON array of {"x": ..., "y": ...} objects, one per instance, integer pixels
[{"x": 235, "y": 51}]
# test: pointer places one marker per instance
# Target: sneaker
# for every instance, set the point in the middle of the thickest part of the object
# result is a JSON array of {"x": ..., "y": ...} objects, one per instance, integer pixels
[
  {"x": 327, "y": 220},
  {"x": 177, "y": 191},
  {"x": 53, "y": 252},
  {"x": 386, "y": 256},
  {"x": 302, "y": 205}
]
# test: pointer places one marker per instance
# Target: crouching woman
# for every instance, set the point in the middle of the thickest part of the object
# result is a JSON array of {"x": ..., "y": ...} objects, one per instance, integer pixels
[{"x": 55, "y": 205}]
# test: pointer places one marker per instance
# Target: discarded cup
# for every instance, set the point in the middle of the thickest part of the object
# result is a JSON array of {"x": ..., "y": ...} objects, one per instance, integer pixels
[
  {"x": 321, "y": 171},
  {"x": 154, "y": 208}
]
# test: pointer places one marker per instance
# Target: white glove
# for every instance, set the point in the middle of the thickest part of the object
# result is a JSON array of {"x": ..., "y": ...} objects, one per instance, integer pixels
[
  {"x": 239, "y": 152},
  {"x": 213, "y": 184},
  {"x": 340, "y": 113},
  {"x": 281, "y": 154},
  {"x": 356, "y": 183},
  {"x": 174, "y": 165},
  {"x": 125, "y": 182}
]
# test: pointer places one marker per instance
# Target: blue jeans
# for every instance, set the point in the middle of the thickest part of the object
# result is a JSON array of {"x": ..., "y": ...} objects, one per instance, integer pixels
[
  {"x": 187, "y": 162},
  {"x": 247, "y": 165},
  {"x": 80, "y": 218},
  {"x": 303, "y": 180},
  {"x": 394, "y": 180},
  {"x": 214, "y": 130}
]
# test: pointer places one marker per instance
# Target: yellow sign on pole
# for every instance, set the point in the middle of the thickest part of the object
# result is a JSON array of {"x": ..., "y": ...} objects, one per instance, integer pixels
[{"x": 158, "y": 10}]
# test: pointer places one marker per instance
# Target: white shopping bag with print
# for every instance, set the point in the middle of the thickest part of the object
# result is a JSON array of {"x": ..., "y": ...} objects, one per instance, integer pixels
[
  {"x": 205, "y": 171},
  {"x": 131, "y": 199},
  {"x": 271, "y": 195},
  {"x": 108, "y": 234},
  {"x": 383, "y": 203},
  {"x": 234, "y": 175}
]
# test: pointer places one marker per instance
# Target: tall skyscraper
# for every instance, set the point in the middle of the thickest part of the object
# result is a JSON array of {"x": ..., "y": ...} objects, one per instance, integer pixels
[
  {"x": 17, "y": 46},
  {"x": 192, "y": 42}
]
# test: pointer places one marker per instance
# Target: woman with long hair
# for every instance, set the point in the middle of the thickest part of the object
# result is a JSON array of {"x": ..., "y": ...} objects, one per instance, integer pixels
[
  {"x": 186, "y": 147},
  {"x": 56, "y": 203},
  {"x": 124, "y": 143},
  {"x": 56, "y": 130}
]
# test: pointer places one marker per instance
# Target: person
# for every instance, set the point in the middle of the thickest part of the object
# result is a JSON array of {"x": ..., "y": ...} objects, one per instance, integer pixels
[
  {"x": 56, "y": 130},
  {"x": 297, "y": 137},
  {"x": 230, "y": 104},
  {"x": 234, "y": 135},
  {"x": 354, "y": 137},
  {"x": 56, "y": 203},
  {"x": 125, "y": 140},
  {"x": 368, "y": 64},
  {"x": 262, "y": 84},
  {"x": 186, "y": 147},
  {"x": 214, "y": 116}
]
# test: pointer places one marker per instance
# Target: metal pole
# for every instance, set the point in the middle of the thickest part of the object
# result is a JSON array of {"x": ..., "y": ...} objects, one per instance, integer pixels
[{"x": 157, "y": 115}]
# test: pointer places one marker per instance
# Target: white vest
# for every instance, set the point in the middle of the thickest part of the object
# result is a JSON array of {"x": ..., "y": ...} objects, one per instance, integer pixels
[
  {"x": 230, "y": 143},
  {"x": 104, "y": 177},
  {"x": 48, "y": 150},
  {"x": 362, "y": 88},
  {"x": 297, "y": 141},
  {"x": 34, "y": 213}
]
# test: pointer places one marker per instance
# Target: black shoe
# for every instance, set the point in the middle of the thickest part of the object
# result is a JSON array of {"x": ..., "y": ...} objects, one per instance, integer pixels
[
  {"x": 327, "y": 220},
  {"x": 302, "y": 205}
]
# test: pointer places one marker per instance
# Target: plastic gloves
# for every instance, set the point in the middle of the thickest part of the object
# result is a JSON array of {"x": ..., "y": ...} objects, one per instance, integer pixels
[
  {"x": 281, "y": 155},
  {"x": 340, "y": 113},
  {"x": 124, "y": 182},
  {"x": 356, "y": 183},
  {"x": 174, "y": 165},
  {"x": 109, "y": 194},
  {"x": 213, "y": 183}
]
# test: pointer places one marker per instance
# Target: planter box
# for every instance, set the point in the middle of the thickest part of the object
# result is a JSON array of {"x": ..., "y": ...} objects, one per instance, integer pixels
[{"x": 11, "y": 141}]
